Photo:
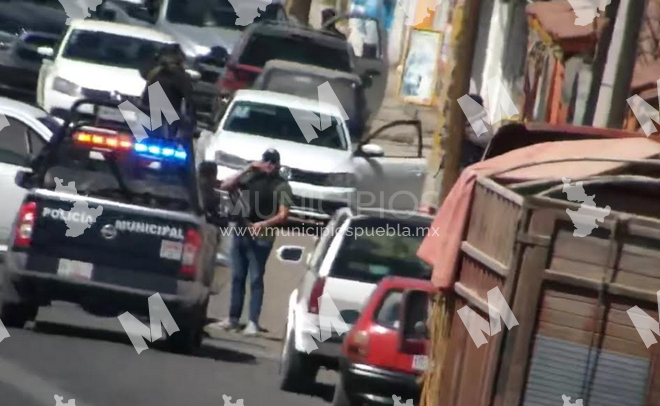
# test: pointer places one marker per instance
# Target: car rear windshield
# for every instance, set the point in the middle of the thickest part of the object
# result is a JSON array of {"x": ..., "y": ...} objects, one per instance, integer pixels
[
  {"x": 278, "y": 122},
  {"x": 263, "y": 48},
  {"x": 305, "y": 85},
  {"x": 203, "y": 13},
  {"x": 110, "y": 49},
  {"x": 122, "y": 176},
  {"x": 373, "y": 248}
]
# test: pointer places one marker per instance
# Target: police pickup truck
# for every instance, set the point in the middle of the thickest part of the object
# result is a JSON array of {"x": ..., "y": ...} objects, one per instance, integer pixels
[{"x": 107, "y": 222}]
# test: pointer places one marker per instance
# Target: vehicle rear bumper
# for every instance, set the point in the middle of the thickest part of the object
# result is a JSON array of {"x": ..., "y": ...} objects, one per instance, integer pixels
[
  {"x": 377, "y": 385},
  {"x": 111, "y": 298}
]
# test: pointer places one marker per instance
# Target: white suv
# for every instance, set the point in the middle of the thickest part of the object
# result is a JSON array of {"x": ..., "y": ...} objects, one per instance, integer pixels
[
  {"x": 96, "y": 60},
  {"x": 327, "y": 171},
  {"x": 356, "y": 250}
]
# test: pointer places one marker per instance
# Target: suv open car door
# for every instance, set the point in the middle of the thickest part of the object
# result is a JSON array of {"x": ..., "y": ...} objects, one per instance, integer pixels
[
  {"x": 368, "y": 41},
  {"x": 387, "y": 175}
]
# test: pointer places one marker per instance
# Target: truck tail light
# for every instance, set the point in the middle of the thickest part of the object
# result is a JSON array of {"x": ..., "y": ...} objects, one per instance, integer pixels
[
  {"x": 317, "y": 292},
  {"x": 357, "y": 345},
  {"x": 25, "y": 224},
  {"x": 191, "y": 248}
]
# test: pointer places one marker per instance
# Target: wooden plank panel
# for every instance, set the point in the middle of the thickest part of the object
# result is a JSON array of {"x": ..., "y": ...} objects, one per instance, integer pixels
[
  {"x": 568, "y": 306},
  {"x": 622, "y": 346},
  {"x": 637, "y": 281}
]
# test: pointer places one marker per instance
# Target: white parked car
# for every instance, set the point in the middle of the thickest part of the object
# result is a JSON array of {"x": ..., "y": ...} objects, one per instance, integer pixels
[
  {"x": 95, "y": 60},
  {"x": 29, "y": 130},
  {"x": 349, "y": 260},
  {"x": 325, "y": 172}
]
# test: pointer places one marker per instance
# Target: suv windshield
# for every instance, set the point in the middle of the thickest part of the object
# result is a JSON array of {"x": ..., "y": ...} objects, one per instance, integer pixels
[
  {"x": 122, "y": 176},
  {"x": 110, "y": 49},
  {"x": 262, "y": 48},
  {"x": 374, "y": 248},
  {"x": 278, "y": 122},
  {"x": 203, "y": 13},
  {"x": 306, "y": 85}
]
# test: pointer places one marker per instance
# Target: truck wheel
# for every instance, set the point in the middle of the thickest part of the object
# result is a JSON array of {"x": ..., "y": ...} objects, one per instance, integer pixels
[
  {"x": 17, "y": 314},
  {"x": 297, "y": 370},
  {"x": 191, "y": 330},
  {"x": 341, "y": 397}
]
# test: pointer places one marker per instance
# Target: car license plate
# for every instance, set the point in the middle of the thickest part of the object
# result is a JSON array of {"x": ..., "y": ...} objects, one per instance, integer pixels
[
  {"x": 113, "y": 114},
  {"x": 420, "y": 362},
  {"x": 75, "y": 269},
  {"x": 171, "y": 250}
]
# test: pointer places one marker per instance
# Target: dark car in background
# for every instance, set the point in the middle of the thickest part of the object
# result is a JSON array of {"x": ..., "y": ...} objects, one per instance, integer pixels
[
  {"x": 289, "y": 42},
  {"x": 206, "y": 30},
  {"x": 304, "y": 80},
  {"x": 26, "y": 25}
]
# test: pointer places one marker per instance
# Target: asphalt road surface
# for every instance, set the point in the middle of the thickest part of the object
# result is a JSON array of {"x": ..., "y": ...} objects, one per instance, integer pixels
[{"x": 78, "y": 356}]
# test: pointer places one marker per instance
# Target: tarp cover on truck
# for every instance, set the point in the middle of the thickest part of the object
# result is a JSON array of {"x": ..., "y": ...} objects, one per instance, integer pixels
[{"x": 441, "y": 247}]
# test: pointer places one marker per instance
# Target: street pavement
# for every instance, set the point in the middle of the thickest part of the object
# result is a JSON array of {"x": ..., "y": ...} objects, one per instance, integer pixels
[
  {"x": 280, "y": 280},
  {"x": 72, "y": 354}
]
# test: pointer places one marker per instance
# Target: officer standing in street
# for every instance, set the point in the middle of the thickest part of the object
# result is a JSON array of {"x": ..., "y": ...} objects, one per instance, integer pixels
[{"x": 266, "y": 196}]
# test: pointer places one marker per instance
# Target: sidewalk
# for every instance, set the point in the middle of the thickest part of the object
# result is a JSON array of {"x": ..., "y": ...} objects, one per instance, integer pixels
[{"x": 394, "y": 109}]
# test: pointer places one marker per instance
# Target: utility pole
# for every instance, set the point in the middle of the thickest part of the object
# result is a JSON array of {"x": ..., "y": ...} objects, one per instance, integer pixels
[
  {"x": 459, "y": 85},
  {"x": 621, "y": 57}
]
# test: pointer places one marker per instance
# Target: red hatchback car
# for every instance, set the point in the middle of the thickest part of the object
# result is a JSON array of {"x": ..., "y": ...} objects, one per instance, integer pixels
[{"x": 378, "y": 359}]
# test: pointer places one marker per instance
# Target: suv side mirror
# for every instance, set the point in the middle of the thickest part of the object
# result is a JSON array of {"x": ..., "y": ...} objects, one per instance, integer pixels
[
  {"x": 46, "y": 52},
  {"x": 290, "y": 253},
  {"x": 23, "y": 179},
  {"x": 370, "y": 151},
  {"x": 193, "y": 74},
  {"x": 413, "y": 332},
  {"x": 217, "y": 57}
]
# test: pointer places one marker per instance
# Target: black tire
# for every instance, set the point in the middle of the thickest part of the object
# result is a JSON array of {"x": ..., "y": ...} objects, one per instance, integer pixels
[
  {"x": 17, "y": 314},
  {"x": 191, "y": 331},
  {"x": 15, "y": 310},
  {"x": 341, "y": 396},
  {"x": 297, "y": 370}
]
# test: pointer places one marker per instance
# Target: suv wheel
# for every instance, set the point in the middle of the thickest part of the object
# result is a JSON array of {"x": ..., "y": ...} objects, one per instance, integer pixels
[
  {"x": 191, "y": 330},
  {"x": 297, "y": 370},
  {"x": 16, "y": 311},
  {"x": 17, "y": 314},
  {"x": 341, "y": 397}
]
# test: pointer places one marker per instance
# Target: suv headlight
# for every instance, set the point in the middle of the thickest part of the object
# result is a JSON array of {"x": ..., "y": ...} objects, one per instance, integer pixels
[
  {"x": 229, "y": 160},
  {"x": 65, "y": 86},
  {"x": 341, "y": 179}
]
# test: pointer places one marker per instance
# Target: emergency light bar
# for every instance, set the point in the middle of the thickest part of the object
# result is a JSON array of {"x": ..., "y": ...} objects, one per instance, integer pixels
[{"x": 156, "y": 149}]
